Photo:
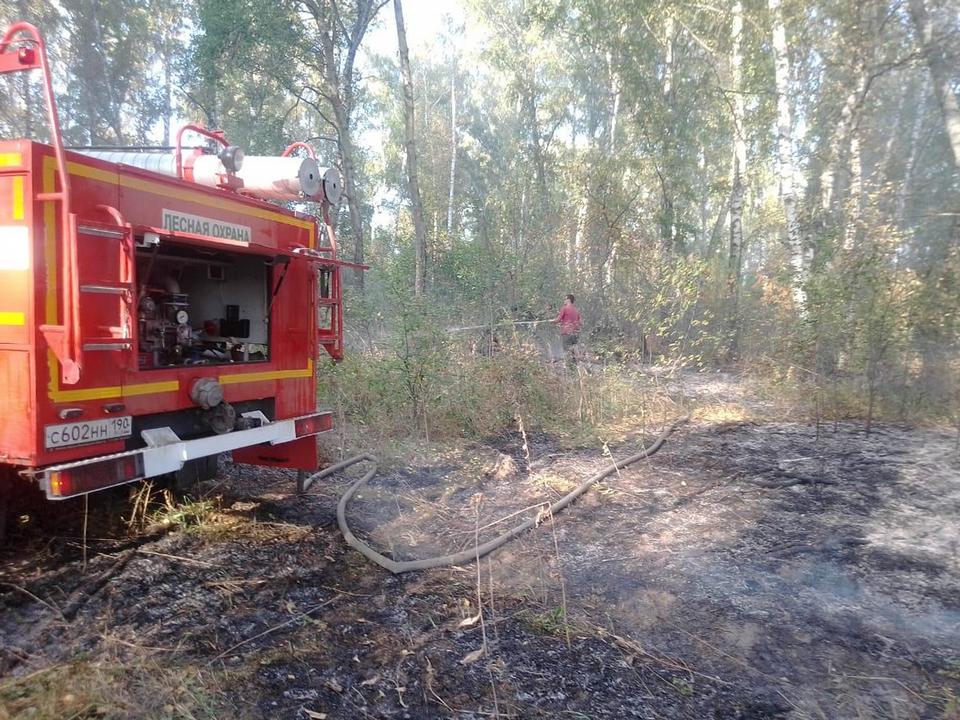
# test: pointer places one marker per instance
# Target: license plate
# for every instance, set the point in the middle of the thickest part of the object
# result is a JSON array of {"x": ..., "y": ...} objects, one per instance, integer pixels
[{"x": 90, "y": 431}]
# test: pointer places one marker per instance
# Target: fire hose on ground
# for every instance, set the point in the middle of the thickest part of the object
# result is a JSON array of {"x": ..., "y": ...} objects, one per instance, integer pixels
[{"x": 475, "y": 553}]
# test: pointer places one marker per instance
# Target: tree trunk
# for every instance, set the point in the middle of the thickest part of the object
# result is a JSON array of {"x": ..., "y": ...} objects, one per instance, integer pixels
[
  {"x": 27, "y": 95},
  {"x": 940, "y": 71},
  {"x": 668, "y": 58},
  {"x": 410, "y": 142},
  {"x": 610, "y": 265},
  {"x": 575, "y": 217},
  {"x": 536, "y": 144},
  {"x": 839, "y": 141},
  {"x": 576, "y": 244},
  {"x": 781, "y": 62},
  {"x": 903, "y": 190},
  {"x": 338, "y": 93},
  {"x": 24, "y": 13},
  {"x": 852, "y": 230},
  {"x": 453, "y": 144},
  {"x": 345, "y": 141},
  {"x": 734, "y": 261},
  {"x": 167, "y": 90},
  {"x": 881, "y": 177},
  {"x": 614, "y": 90},
  {"x": 668, "y": 229},
  {"x": 667, "y": 218},
  {"x": 113, "y": 107}
]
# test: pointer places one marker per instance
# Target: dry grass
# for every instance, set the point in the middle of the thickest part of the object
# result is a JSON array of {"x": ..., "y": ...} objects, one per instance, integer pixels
[
  {"x": 475, "y": 397},
  {"x": 723, "y": 413},
  {"x": 137, "y": 684}
]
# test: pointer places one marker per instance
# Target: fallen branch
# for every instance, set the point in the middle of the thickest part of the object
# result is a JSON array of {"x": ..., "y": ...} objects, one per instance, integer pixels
[
  {"x": 790, "y": 480},
  {"x": 667, "y": 662},
  {"x": 86, "y": 592},
  {"x": 873, "y": 678},
  {"x": 29, "y": 594},
  {"x": 24, "y": 679},
  {"x": 180, "y": 558}
]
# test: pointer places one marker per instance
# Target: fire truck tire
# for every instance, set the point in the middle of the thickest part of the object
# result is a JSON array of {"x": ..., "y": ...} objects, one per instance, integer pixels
[
  {"x": 12, "y": 497},
  {"x": 6, "y": 500},
  {"x": 193, "y": 473},
  {"x": 4, "y": 510}
]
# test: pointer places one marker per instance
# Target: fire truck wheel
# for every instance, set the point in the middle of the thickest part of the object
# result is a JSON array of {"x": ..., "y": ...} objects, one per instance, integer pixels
[
  {"x": 6, "y": 501},
  {"x": 14, "y": 496},
  {"x": 193, "y": 473},
  {"x": 4, "y": 510}
]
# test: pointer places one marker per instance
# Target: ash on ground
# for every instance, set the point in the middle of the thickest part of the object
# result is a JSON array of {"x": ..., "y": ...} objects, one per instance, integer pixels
[{"x": 749, "y": 570}]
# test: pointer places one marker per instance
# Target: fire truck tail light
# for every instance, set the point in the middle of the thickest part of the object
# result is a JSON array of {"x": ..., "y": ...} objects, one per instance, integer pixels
[
  {"x": 94, "y": 476},
  {"x": 27, "y": 56},
  {"x": 313, "y": 424}
]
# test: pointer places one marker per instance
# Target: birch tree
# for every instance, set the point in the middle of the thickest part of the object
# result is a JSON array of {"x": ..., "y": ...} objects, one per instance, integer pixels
[
  {"x": 410, "y": 143},
  {"x": 735, "y": 257},
  {"x": 340, "y": 39},
  {"x": 940, "y": 71},
  {"x": 905, "y": 187},
  {"x": 453, "y": 144},
  {"x": 785, "y": 166}
]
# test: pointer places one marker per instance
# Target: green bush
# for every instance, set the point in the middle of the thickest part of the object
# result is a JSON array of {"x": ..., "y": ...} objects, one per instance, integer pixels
[{"x": 420, "y": 384}]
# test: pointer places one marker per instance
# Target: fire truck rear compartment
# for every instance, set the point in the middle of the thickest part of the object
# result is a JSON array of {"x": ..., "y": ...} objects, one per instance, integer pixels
[
  {"x": 203, "y": 307},
  {"x": 139, "y": 303}
]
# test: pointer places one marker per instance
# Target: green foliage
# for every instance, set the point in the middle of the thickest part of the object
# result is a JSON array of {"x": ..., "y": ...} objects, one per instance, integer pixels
[
  {"x": 418, "y": 384},
  {"x": 682, "y": 686},
  {"x": 416, "y": 380},
  {"x": 186, "y": 513},
  {"x": 108, "y": 48},
  {"x": 590, "y": 153},
  {"x": 238, "y": 71},
  {"x": 550, "y": 622},
  {"x": 665, "y": 309}
]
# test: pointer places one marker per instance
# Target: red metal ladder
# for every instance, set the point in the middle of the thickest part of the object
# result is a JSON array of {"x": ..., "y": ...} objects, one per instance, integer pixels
[
  {"x": 22, "y": 49},
  {"x": 121, "y": 334}
]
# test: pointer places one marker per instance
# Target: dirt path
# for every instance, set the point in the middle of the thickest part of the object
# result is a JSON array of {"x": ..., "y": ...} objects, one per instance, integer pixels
[{"x": 749, "y": 570}]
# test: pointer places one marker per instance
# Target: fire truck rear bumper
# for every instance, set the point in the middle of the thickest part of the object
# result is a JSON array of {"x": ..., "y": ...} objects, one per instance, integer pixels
[{"x": 166, "y": 453}]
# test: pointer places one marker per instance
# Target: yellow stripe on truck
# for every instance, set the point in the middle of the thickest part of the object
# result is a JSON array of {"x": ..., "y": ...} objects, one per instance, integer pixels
[
  {"x": 12, "y": 318},
  {"x": 268, "y": 375},
  {"x": 18, "y": 198},
  {"x": 111, "y": 392}
]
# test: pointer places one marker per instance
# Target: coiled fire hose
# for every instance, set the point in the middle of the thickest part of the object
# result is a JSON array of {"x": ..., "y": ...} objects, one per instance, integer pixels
[{"x": 402, "y": 566}]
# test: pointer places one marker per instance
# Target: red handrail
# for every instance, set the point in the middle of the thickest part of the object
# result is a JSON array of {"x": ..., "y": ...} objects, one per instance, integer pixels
[
  {"x": 32, "y": 55},
  {"x": 216, "y": 135},
  {"x": 293, "y": 146}
]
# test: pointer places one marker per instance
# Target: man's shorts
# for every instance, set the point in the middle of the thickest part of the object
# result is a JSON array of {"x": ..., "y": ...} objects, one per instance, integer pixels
[{"x": 569, "y": 340}]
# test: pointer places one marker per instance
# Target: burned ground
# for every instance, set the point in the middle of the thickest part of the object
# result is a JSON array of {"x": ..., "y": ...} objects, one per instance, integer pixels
[{"x": 751, "y": 569}]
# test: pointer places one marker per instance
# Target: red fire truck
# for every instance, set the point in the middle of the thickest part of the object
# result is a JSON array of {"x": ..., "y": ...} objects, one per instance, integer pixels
[{"x": 155, "y": 309}]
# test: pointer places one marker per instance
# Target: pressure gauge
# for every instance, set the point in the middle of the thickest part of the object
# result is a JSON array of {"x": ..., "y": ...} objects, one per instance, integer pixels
[{"x": 182, "y": 317}]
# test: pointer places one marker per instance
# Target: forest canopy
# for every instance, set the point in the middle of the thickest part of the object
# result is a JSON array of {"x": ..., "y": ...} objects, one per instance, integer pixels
[{"x": 765, "y": 182}]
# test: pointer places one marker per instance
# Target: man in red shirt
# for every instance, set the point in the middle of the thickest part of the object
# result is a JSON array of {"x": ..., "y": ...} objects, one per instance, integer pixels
[{"x": 569, "y": 321}]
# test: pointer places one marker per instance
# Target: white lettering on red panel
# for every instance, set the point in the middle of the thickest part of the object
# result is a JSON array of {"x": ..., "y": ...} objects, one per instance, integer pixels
[{"x": 176, "y": 221}]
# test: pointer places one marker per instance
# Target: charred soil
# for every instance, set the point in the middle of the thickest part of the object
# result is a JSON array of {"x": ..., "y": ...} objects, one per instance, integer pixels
[{"x": 751, "y": 569}]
